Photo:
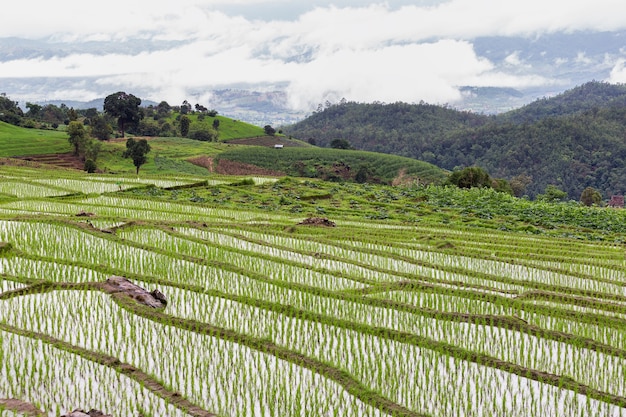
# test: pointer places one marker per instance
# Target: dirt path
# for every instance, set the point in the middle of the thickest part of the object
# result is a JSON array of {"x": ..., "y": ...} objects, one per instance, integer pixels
[{"x": 21, "y": 407}]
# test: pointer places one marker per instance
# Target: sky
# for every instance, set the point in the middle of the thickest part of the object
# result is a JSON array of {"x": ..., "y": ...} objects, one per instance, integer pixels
[{"x": 395, "y": 50}]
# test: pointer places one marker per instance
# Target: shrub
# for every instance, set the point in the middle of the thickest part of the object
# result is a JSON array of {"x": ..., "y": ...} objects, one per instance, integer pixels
[{"x": 90, "y": 166}]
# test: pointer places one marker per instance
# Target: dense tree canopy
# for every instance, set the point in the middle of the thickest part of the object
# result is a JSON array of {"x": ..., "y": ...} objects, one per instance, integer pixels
[
  {"x": 10, "y": 111},
  {"x": 571, "y": 141},
  {"x": 124, "y": 107}
]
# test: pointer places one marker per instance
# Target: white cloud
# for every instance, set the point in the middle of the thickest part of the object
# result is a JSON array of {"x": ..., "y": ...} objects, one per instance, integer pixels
[
  {"x": 368, "y": 51},
  {"x": 618, "y": 73},
  {"x": 581, "y": 58},
  {"x": 120, "y": 19}
]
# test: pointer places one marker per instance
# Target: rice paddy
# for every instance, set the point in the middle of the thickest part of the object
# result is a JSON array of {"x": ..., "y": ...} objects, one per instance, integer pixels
[{"x": 269, "y": 317}]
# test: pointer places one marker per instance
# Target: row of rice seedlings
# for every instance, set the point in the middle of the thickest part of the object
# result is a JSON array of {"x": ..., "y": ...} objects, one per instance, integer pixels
[
  {"x": 102, "y": 251},
  {"x": 381, "y": 266},
  {"x": 446, "y": 302},
  {"x": 491, "y": 267},
  {"x": 394, "y": 368},
  {"x": 59, "y": 381},
  {"x": 614, "y": 336},
  {"x": 48, "y": 270},
  {"x": 132, "y": 208},
  {"x": 580, "y": 309},
  {"x": 85, "y": 185},
  {"x": 602, "y": 333},
  {"x": 189, "y": 210},
  {"x": 278, "y": 270},
  {"x": 513, "y": 346},
  {"x": 7, "y": 284},
  {"x": 73, "y": 245},
  {"x": 271, "y": 248},
  {"x": 219, "y": 375},
  {"x": 99, "y": 185},
  {"x": 22, "y": 189},
  {"x": 614, "y": 273},
  {"x": 133, "y": 182}
]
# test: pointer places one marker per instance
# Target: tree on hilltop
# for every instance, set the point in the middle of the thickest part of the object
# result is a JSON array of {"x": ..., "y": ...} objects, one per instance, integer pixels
[{"x": 125, "y": 107}]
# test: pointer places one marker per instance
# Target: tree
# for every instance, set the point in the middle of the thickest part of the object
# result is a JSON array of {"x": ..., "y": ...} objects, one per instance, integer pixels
[
  {"x": 519, "y": 183},
  {"x": 10, "y": 111},
  {"x": 552, "y": 194},
  {"x": 123, "y": 106},
  {"x": 77, "y": 137},
  {"x": 100, "y": 128},
  {"x": 72, "y": 115},
  {"x": 185, "y": 107},
  {"x": 163, "y": 109},
  {"x": 216, "y": 124},
  {"x": 137, "y": 150},
  {"x": 590, "y": 196},
  {"x": 185, "y": 122},
  {"x": 364, "y": 172},
  {"x": 470, "y": 177},
  {"x": 34, "y": 110},
  {"x": 340, "y": 144},
  {"x": 203, "y": 132},
  {"x": 269, "y": 130}
]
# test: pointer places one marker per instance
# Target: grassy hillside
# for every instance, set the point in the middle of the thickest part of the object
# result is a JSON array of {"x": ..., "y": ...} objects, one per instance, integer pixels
[
  {"x": 167, "y": 156},
  {"x": 19, "y": 141},
  {"x": 228, "y": 128},
  {"x": 336, "y": 164}
]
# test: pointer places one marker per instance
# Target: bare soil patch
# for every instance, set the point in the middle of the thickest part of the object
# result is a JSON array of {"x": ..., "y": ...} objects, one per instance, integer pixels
[
  {"x": 21, "y": 407},
  {"x": 226, "y": 167},
  {"x": 318, "y": 221},
  {"x": 203, "y": 161},
  {"x": 64, "y": 160}
]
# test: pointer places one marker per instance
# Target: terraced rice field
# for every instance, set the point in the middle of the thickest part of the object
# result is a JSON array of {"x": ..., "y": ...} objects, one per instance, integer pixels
[{"x": 266, "y": 317}]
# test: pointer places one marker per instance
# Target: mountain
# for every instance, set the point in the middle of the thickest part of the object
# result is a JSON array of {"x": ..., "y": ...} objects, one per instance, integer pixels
[
  {"x": 397, "y": 128},
  {"x": 572, "y": 140}
]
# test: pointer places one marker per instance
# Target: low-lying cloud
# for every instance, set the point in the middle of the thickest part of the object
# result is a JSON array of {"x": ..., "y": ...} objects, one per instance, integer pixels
[{"x": 363, "y": 51}]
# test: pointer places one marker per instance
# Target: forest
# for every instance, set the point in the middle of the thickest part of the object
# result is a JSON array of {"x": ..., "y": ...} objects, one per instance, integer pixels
[{"x": 571, "y": 141}]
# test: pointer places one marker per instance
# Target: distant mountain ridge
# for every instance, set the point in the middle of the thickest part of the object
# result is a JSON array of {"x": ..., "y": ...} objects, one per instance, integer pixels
[{"x": 573, "y": 140}]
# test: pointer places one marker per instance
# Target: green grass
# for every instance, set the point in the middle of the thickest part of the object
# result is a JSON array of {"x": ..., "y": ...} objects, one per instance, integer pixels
[
  {"x": 321, "y": 162},
  {"x": 228, "y": 128},
  {"x": 19, "y": 141},
  {"x": 167, "y": 156}
]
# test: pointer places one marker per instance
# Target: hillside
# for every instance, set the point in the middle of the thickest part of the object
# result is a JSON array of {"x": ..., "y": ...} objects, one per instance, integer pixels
[
  {"x": 584, "y": 98},
  {"x": 398, "y": 128},
  {"x": 573, "y": 140},
  {"x": 19, "y": 141},
  {"x": 242, "y": 149},
  {"x": 337, "y": 164}
]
